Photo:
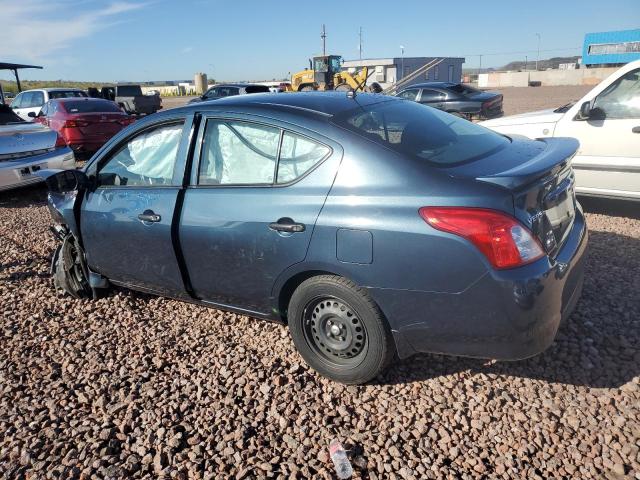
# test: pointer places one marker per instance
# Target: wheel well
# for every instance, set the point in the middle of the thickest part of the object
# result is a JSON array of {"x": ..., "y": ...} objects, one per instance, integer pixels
[{"x": 290, "y": 286}]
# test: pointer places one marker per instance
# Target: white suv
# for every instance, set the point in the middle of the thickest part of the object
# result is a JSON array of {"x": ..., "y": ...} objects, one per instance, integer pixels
[
  {"x": 28, "y": 103},
  {"x": 606, "y": 122}
]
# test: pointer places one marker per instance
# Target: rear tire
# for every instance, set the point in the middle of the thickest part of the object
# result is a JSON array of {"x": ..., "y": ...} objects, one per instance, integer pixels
[{"x": 339, "y": 330}]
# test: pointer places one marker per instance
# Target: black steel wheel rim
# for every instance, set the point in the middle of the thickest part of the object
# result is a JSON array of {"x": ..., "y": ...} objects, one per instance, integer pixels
[{"x": 334, "y": 331}]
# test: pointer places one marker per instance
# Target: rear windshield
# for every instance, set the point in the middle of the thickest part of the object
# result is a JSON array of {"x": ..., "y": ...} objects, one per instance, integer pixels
[
  {"x": 129, "y": 90},
  {"x": 91, "y": 106},
  {"x": 257, "y": 89},
  {"x": 422, "y": 132},
  {"x": 463, "y": 89},
  {"x": 67, "y": 94}
]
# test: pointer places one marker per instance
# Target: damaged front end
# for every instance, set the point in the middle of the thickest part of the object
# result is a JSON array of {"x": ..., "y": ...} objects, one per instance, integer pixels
[{"x": 68, "y": 265}]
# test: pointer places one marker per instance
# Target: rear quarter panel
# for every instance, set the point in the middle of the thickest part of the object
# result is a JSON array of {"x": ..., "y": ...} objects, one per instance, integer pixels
[{"x": 378, "y": 193}]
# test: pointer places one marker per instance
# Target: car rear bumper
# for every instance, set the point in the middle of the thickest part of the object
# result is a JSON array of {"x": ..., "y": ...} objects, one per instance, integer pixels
[
  {"x": 20, "y": 172},
  {"x": 505, "y": 315}
]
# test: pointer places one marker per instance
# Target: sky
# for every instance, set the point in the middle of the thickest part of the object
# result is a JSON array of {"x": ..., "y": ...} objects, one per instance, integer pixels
[{"x": 142, "y": 40}]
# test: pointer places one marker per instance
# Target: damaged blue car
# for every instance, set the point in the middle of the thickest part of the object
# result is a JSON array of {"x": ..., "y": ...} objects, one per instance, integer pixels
[{"x": 372, "y": 226}]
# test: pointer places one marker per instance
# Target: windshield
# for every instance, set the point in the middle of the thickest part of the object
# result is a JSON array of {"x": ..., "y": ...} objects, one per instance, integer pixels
[
  {"x": 422, "y": 132},
  {"x": 91, "y": 106}
]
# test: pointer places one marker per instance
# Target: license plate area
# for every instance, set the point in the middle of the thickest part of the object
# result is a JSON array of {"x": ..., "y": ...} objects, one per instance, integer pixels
[{"x": 30, "y": 170}]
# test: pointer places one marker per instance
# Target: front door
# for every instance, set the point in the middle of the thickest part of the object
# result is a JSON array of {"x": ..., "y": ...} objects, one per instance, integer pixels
[
  {"x": 27, "y": 102},
  {"x": 608, "y": 160},
  {"x": 126, "y": 221},
  {"x": 252, "y": 208}
]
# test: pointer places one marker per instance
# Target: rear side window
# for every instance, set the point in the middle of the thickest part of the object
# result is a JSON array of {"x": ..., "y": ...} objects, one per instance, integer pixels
[
  {"x": 243, "y": 153},
  {"x": 422, "y": 132},
  {"x": 298, "y": 155},
  {"x": 257, "y": 89},
  {"x": 129, "y": 90},
  {"x": 147, "y": 159},
  {"x": 91, "y": 106},
  {"x": 237, "y": 153}
]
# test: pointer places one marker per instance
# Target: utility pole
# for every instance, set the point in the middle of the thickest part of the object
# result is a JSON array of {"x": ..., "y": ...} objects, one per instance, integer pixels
[
  {"x": 480, "y": 65},
  {"x": 360, "y": 43},
  {"x": 323, "y": 35},
  {"x": 401, "y": 63},
  {"x": 538, "y": 57},
  {"x": 526, "y": 63}
]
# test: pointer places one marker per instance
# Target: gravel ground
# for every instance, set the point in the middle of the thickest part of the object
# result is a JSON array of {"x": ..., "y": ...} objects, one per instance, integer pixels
[{"x": 134, "y": 386}]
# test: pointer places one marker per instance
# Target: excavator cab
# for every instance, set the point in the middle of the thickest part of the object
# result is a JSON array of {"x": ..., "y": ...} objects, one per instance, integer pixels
[{"x": 324, "y": 70}]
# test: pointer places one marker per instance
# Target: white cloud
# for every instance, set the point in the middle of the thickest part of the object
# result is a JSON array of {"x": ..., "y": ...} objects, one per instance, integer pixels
[
  {"x": 187, "y": 49},
  {"x": 34, "y": 29}
]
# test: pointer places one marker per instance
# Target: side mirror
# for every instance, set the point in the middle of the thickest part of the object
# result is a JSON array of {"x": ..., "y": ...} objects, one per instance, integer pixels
[
  {"x": 32, "y": 114},
  {"x": 585, "y": 111},
  {"x": 65, "y": 181}
]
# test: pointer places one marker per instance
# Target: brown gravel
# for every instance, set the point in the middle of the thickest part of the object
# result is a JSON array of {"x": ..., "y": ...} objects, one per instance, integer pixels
[{"x": 135, "y": 386}]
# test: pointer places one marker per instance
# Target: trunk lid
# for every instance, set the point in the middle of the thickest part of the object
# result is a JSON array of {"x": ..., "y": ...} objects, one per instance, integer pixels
[
  {"x": 541, "y": 181},
  {"x": 18, "y": 140},
  {"x": 99, "y": 124}
]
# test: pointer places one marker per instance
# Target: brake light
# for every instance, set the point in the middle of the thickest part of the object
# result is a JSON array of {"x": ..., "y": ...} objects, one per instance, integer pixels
[
  {"x": 502, "y": 239},
  {"x": 60, "y": 141},
  {"x": 74, "y": 124},
  {"x": 126, "y": 121}
]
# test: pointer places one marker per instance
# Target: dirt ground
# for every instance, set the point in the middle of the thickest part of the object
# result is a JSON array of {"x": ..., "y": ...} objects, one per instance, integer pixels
[{"x": 136, "y": 386}]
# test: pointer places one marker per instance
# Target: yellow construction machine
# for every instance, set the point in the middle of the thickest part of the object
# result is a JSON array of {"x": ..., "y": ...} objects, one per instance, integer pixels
[{"x": 325, "y": 73}]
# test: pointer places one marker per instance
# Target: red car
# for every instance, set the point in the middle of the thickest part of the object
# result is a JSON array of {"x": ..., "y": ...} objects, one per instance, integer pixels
[{"x": 84, "y": 123}]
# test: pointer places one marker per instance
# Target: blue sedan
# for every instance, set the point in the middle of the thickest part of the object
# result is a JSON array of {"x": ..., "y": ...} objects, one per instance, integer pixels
[{"x": 372, "y": 226}]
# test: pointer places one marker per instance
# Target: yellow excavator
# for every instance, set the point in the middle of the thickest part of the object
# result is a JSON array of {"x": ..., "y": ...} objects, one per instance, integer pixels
[{"x": 325, "y": 73}]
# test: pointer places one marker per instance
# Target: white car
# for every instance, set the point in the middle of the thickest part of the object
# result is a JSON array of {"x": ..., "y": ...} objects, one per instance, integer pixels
[
  {"x": 28, "y": 103},
  {"x": 606, "y": 122}
]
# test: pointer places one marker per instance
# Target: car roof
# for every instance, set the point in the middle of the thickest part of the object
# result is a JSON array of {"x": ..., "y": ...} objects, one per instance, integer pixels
[
  {"x": 431, "y": 85},
  {"x": 238, "y": 85},
  {"x": 323, "y": 103},
  {"x": 79, "y": 99},
  {"x": 53, "y": 89}
]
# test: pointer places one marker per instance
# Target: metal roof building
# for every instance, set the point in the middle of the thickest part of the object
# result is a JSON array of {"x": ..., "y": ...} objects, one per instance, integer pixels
[{"x": 611, "y": 48}]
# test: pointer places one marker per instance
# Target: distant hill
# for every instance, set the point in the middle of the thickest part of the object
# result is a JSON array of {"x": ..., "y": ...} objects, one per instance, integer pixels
[
  {"x": 10, "y": 86},
  {"x": 542, "y": 64},
  {"x": 519, "y": 65}
]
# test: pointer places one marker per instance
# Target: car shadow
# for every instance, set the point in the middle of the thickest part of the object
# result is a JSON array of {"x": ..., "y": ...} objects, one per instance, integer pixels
[
  {"x": 611, "y": 207},
  {"x": 598, "y": 346},
  {"x": 29, "y": 196}
]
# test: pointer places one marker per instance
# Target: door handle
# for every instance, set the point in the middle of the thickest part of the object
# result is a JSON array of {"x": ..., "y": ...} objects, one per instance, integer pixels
[
  {"x": 636, "y": 129},
  {"x": 286, "y": 224},
  {"x": 149, "y": 216}
]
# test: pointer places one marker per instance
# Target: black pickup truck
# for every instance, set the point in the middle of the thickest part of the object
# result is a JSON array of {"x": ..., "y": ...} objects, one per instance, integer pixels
[{"x": 130, "y": 98}]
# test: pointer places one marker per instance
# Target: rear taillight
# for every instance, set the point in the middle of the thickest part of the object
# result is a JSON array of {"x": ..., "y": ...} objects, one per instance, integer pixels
[
  {"x": 126, "y": 121},
  {"x": 501, "y": 238},
  {"x": 74, "y": 124},
  {"x": 60, "y": 141}
]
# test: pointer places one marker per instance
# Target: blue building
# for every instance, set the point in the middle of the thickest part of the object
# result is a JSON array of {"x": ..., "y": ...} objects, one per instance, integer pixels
[{"x": 611, "y": 48}]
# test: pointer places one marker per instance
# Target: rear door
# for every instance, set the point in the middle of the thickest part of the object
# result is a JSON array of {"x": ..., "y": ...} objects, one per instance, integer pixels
[
  {"x": 248, "y": 216},
  {"x": 126, "y": 220}
]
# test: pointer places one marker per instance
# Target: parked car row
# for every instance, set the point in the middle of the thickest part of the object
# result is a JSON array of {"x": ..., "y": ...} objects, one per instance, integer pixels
[{"x": 26, "y": 148}]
